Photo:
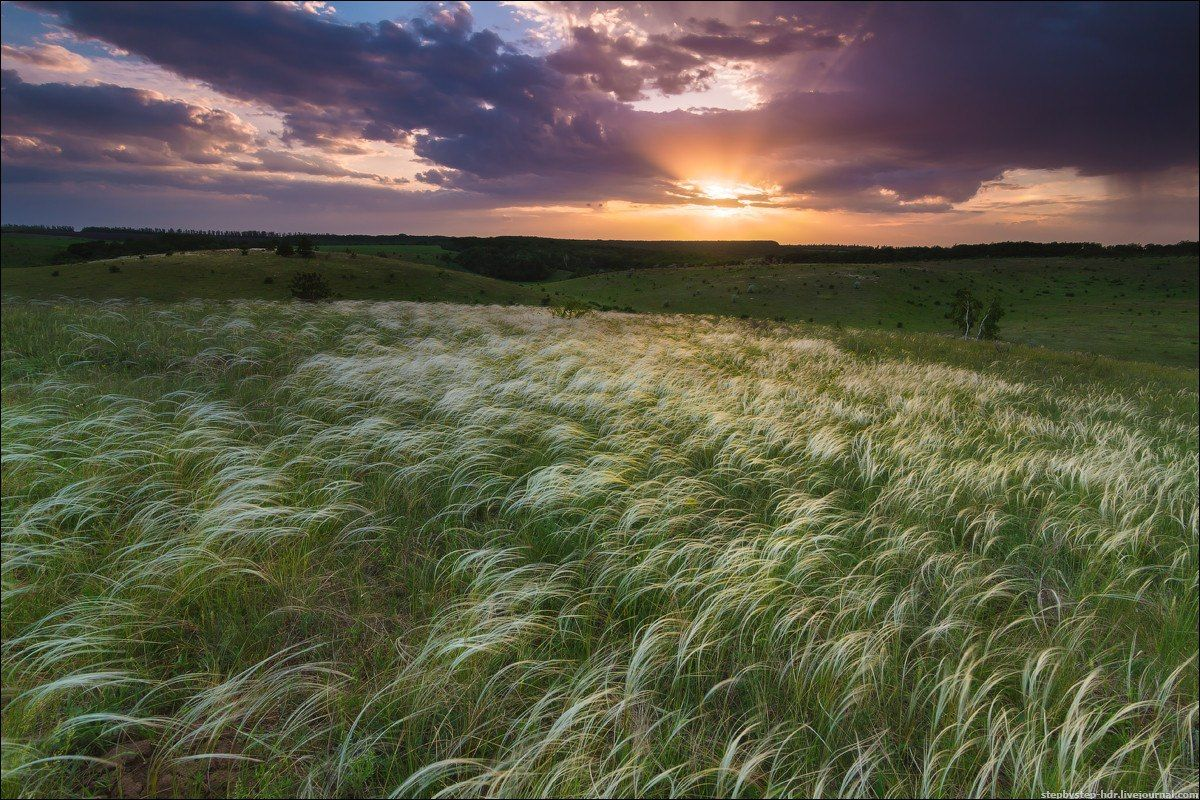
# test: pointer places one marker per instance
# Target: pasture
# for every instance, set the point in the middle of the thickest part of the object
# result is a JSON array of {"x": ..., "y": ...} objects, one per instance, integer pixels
[
  {"x": 226, "y": 274},
  {"x": 32, "y": 250},
  {"x": 417, "y": 253},
  {"x": 1143, "y": 308},
  {"x": 361, "y": 548}
]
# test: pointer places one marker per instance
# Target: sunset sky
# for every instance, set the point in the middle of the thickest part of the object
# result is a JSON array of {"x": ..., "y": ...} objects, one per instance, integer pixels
[{"x": 856, "y": 123}]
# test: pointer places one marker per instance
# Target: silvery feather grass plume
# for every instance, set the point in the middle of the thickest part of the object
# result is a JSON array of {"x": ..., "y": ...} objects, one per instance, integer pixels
[{"x": 435, "y": 550}]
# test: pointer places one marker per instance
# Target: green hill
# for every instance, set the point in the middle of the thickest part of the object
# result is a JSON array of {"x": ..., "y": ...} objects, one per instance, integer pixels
[
  {"x": 1142, "y": 308},
  {"x": 1139, "y": 308},
  {"x": 227, "y": 274},
  {"x": 32, "y": 250}
]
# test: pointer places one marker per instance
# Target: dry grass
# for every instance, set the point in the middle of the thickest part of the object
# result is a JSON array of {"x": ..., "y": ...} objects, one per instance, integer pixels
[{"x": 460, "y": 551}]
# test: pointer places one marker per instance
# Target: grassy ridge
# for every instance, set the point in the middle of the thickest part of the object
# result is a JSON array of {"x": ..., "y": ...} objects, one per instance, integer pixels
[
  {"x": 1143, "y": 308},
  {"x": 32, "y": 250},
  {"x": 1139, "y": 308},
  {"x": 267, "y": 548},
  {"x": 418, "y": 253},
  {"x": 227, "y": 274}
]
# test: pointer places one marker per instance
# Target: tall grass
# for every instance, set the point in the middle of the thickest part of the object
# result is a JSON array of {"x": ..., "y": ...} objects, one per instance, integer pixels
[{"x": 442, "y": 550}]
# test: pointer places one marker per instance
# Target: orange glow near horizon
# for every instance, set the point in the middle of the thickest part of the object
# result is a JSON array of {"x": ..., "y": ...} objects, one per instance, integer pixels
[
  {"x": 724, "y": 198},
  {"x": 1024, "y": 204}
]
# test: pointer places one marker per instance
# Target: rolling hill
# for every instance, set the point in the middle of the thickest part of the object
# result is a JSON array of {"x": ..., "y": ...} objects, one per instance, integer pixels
[
  {"x": 227, "y": 274},
  {"x": 1143, "y": 308},
  {"x": 1140, "y": 308}
]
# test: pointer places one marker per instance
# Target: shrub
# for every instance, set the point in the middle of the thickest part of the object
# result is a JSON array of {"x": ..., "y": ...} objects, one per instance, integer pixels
[
  {"x": 569, "y": 308},
  {"x": 113, "y": 268},
  {"x": 268, "y": 279},
  {"x": 309, "y": 287},
  {"x": 284, "y": 249},
  {"x": 304, "y": 248}
]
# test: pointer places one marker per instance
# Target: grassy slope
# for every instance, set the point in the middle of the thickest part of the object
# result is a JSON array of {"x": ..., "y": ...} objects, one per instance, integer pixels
[
  {"x": 419, "y": 253},
  {"x": 31, "y": 250},
  {"x": 1141, "y": 309},
  {"x": 228, "y": 274},
  {"x": 388, "y": 547},
  {"x": 1144, "y": 308}
]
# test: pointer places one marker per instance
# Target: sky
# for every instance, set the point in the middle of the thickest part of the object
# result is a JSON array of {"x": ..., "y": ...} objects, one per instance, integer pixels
[{"x": 866, "y": 123}]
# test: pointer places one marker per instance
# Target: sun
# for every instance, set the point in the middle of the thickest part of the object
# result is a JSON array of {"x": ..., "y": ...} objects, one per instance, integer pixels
[
  {"x": 716, "y": 190},
  {"x": 724, "y": 198}
]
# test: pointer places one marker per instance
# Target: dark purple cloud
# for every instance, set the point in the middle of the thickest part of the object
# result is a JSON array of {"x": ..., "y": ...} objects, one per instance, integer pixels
[
  {"x": 116, "y": 123},
  {"x": 624, "y": 66},
  {"x": 756, "y": 39},
  {"x": 888, "y": 107},
  {"x": 461, "y": 97}
]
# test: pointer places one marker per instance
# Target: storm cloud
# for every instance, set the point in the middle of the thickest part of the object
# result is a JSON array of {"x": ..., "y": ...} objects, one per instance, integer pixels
[{"x": 858, "y": 107}]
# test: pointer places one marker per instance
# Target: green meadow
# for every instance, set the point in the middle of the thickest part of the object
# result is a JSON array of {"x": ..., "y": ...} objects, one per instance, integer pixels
[
  {"x": 1143, "y": 308},
  {"x": 31, "y": 250},
  {"x": 361, "y": 548},
  {"x": 227, "y": 274},
  {"x": 419, "y": 253},
  {"x": 778, "y": 533},
  {"x": 1138, "y": 308}
]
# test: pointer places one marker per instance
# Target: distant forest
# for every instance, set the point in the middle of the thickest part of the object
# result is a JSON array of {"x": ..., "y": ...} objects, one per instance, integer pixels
[{"x": 531, "y": 258}]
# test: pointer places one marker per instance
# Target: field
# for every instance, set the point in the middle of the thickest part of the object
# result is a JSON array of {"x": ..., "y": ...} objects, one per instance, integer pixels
[
  {"x": 32, "y": 250},
  {"x": 224, "y": 274},
  {"x": 1140, "y": 308},
  {"x": 264, "y": 548},
  {"x": 418, "y": 253}
]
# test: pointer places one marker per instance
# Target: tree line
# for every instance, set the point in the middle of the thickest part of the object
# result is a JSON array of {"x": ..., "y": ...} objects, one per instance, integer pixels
[{"x": 533, "y": 258}]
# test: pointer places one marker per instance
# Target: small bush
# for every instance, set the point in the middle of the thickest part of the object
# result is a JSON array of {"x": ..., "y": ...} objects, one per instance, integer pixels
[
  {"x": 309, "y": 287},
  {"x": 284, "y": 249},
  {"x": 569, "y": 308},
  {"x": 113, "y": 268},
  {"x": 54, "y": 274},
  {"x": 268, "y": 279}
]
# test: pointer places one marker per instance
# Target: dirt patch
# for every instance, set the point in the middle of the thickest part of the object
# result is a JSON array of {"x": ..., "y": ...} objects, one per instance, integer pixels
[{"x": 137, "y": 771}]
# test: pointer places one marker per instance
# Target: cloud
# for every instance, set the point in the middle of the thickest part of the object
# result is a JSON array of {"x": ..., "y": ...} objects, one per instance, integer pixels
[
  {"x": 626, "y": 63},
  {"x": 873, "y": 108},
  {"x": 623, "y": 65},
  {"x": 461, "y": 97},
  {"x": 53, "y": 57},
  {"x": 117, "y": 123},
  {"x": 267, "y": 160}
]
